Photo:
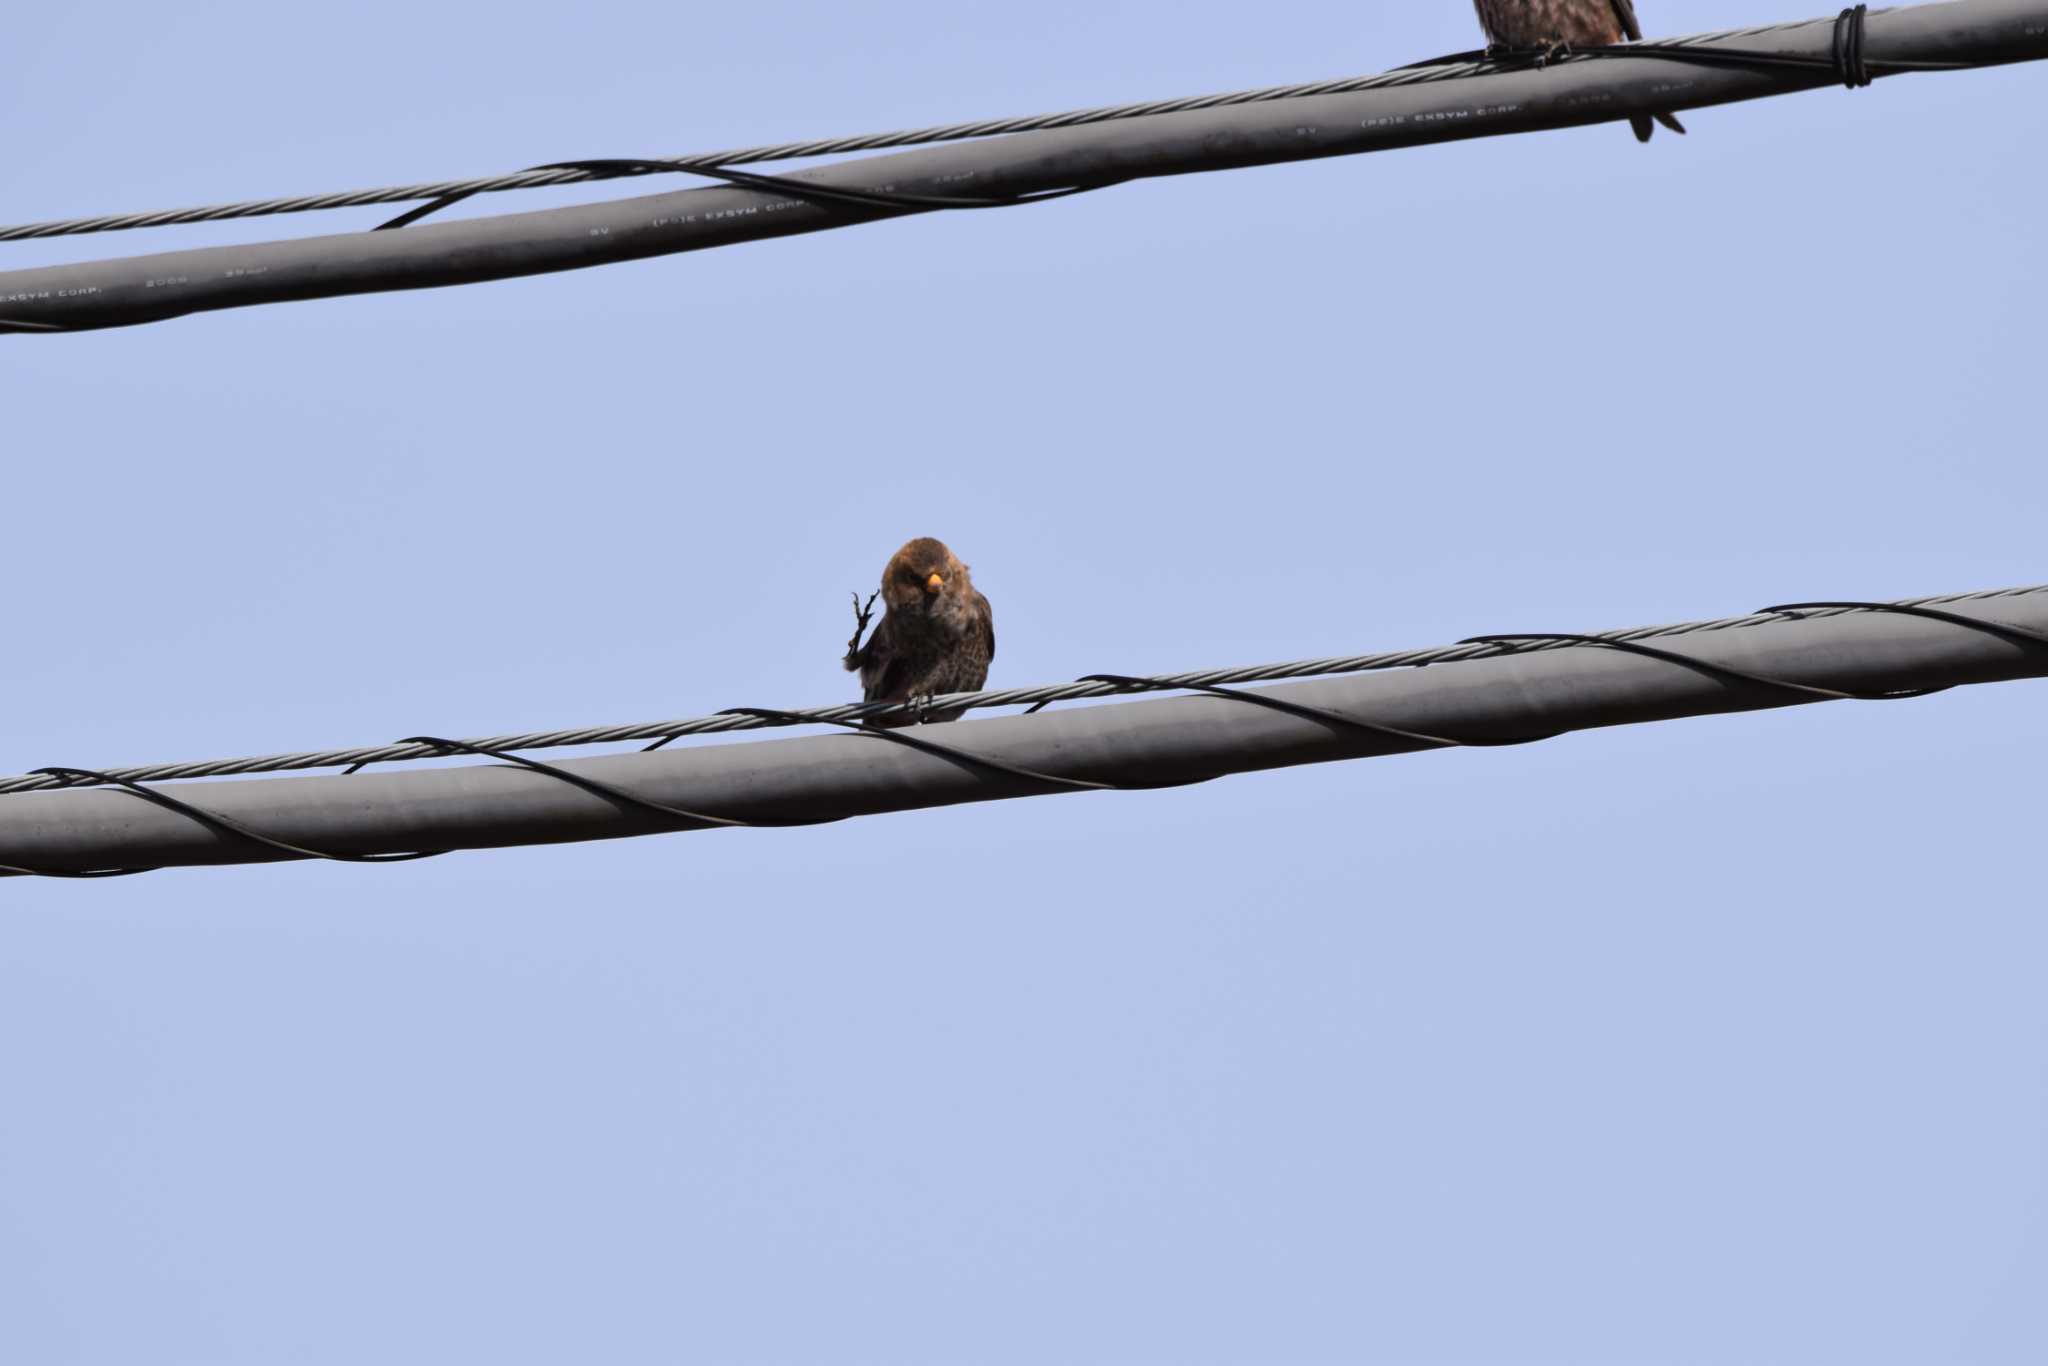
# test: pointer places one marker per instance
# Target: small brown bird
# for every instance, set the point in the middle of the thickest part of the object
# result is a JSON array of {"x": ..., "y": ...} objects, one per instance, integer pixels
[
  {"x": 938, "y": 635},
  {"x": 1562, "y": 24}
]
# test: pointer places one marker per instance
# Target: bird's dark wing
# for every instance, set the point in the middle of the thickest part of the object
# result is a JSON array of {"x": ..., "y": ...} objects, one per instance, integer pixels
[
  {"x": 884, "y": 672},
  {"x": 987, "y": 623}
]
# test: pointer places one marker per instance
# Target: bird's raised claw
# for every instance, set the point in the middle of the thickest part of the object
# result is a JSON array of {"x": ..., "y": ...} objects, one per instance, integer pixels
[{"x": 861, "y": 617}]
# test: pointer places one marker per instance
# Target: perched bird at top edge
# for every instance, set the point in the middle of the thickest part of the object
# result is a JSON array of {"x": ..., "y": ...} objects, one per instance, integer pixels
[
  {"x": 937, "y": 636},
  {"x": 1561, "y": 24}
]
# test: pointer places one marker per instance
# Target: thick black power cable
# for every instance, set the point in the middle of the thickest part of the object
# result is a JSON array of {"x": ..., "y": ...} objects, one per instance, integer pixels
[
  {"x": 631, "y": 800},
  {"x": 805, "y": 190},
  {"x": 620, "y": 795},
  {"x": 1308, "y": 713},
  {"x": 1712, "y": 670},
  {"x": 215, "y": 821},
  {"x": 1125, "y": 680},
  {"x": 1848, "y": 62},
  {"x": 596, "y": 788},
  {"x": 1847, "y": 59},
  {"x": 898, "y": 737},
  {"x": 2024, "y": 636},
  {"x": 590, "y": 785}
]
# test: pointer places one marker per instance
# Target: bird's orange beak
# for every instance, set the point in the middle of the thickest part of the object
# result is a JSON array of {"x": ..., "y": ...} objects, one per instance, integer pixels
[{"x": 936, "y": 583}]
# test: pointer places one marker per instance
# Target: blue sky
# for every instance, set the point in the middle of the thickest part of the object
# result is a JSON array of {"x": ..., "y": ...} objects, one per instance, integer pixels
[{"x": 1720, "y": 1041}]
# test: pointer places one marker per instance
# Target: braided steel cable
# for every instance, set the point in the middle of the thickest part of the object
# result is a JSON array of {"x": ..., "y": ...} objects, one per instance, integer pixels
[
  {"x": 1456, "y": 67},
  {"x": 757, "y": 719}
]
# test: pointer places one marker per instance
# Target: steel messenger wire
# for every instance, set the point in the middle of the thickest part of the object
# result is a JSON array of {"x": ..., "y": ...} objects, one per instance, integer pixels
[{"x": 1211, "y": 683}]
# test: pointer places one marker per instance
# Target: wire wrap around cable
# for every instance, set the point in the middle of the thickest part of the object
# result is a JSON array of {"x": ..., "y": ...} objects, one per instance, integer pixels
[
  {"x": 807, "y": 191},
  {"x": 1725, "y": 672},
  {"x": 214, "y": 821}
]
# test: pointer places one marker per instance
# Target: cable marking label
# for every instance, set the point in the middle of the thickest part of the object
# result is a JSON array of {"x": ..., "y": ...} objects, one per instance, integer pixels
[
  {"x": 1484, "y": 111},
  {"x": 680, "y": 219}
]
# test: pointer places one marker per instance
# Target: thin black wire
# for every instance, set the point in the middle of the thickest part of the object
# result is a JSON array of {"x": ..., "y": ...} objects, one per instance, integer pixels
[
  {"x": 215, "y": 821},
  {"x": 809, "y": 191},
  {"x": 590, "y": 785},
  {"x": 1308, "y": 713},
  {"x": 898, "y": 737},
  {"x": 1723, "y": 671}
]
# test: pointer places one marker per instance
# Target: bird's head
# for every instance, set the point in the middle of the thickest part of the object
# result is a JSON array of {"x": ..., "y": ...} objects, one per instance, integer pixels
[{"x": 925, "y": 578}]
